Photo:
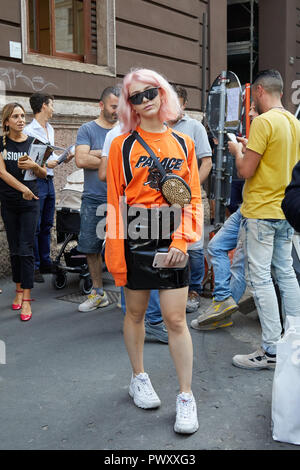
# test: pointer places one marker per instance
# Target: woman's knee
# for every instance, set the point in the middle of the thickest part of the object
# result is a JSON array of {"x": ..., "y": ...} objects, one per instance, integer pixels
[
  {"x": 134, "y": 316},
  {"x": 175, "y": 323}
]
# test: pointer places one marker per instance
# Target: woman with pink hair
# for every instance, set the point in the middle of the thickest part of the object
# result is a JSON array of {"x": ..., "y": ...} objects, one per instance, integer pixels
[{"x": 147, "y": 101}]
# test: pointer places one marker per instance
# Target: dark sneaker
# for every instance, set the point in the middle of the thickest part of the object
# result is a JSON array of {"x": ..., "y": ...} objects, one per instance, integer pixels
[
  {"x": 218, "y": 311},
  {"x": 193, "y": 302},
  {"x": 255, "y": 361},
  {"x": 213, "y": 325},
  {"x": 38, "y": 277},
  {"x": 157, "y": 331}
]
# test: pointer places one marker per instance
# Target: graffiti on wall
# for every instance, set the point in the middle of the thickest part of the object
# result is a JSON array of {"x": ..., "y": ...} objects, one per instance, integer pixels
[{"x": 11, "y": 76}]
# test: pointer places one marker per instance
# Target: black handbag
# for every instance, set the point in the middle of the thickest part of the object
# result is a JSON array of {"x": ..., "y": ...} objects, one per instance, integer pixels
[{"x": 173, "y": 188}]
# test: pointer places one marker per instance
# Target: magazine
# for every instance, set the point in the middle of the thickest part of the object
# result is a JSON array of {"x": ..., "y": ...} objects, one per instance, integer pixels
[
  {"x": 69, "y": 151},
  {"x": 39, "y": 152}
]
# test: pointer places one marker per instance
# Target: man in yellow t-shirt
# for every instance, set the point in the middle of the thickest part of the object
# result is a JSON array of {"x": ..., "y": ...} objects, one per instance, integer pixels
[{"x": 272, "y": 151}]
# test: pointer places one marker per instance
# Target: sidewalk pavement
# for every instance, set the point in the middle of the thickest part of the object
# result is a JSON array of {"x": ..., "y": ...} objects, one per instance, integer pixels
[{"x": 65, "y": 381}]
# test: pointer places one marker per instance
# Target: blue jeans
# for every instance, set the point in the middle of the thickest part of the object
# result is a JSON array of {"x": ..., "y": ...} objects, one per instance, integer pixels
[
  {"x": 197, "y": 270},
  {"x": 88, "y": 240},
  {"x": 229, "y": 279},
  {"x": 269, "y": 244},
  {"x": 45, "y": 223},
  {"x": 153, "y": 313}
]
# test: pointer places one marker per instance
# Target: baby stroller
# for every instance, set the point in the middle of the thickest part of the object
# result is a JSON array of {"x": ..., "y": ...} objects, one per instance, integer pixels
[{"x": 67, "y": 230}]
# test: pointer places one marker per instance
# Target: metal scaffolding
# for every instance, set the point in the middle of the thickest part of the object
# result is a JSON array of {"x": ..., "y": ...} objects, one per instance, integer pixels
[{"x": 245, "y": 47}]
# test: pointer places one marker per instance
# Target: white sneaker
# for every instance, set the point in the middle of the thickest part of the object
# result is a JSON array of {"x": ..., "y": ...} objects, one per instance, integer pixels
[
  {"x": 94, "y": 301},
  {"x": 258, "y": 360},
  {"x": 186, "y": 414},
  {"x": 142, "y": 392}
]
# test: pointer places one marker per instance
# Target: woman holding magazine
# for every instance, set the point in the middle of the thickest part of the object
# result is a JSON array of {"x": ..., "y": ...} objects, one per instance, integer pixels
[{"x": 19, "y": 202}]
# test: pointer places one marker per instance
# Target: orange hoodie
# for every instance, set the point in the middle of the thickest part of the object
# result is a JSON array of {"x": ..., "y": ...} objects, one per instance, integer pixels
[{"x": 131, "y": 173}]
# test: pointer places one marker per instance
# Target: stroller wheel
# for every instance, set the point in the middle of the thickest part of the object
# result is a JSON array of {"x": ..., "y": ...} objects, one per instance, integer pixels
[
  {"x": 86, "y": 285},
  {"x": 59, "y": 280}
]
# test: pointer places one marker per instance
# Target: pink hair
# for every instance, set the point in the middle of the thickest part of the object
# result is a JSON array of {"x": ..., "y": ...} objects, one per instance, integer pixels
[{"x": 169, "y": 109}]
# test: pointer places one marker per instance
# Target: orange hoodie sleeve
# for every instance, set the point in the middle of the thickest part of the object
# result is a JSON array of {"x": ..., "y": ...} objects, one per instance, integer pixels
[
  {"x": 114, "y": 242},
  {"x": 191, "y": 226}
]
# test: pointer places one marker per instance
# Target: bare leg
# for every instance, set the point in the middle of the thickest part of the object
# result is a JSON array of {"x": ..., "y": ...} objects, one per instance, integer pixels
[
  {"x": 173, "y": 306},
  {"x": 95, "y": 268},
  {"x": 19, "y": 294},
  {"x": 134, "y": 329},
  {"x": 26, "y": 306}
]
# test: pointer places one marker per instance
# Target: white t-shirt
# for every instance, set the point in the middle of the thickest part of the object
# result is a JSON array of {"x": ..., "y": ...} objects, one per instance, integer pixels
[
  {"x": 110, "y": 136},
  {"x": 34, "y": 129}
]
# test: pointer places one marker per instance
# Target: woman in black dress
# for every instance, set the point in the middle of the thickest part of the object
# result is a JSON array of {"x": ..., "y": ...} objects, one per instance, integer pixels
[{"x": 19, "y": 202}]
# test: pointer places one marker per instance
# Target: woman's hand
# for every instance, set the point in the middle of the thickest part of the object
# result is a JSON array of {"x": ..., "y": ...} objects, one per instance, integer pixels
[
  {"x": 26, "y": 163},
  {"x": 28, "y": 195},
  {"x": 174, "y": 257}
]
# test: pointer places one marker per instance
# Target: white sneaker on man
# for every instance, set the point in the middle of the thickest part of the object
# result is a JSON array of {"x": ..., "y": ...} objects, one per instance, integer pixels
[
  {"x": 258, "y": 360},
  {"x": 142, "y": 392},
  {"x": 186, "y": 414},
  {"x": 94, "y": 301}
]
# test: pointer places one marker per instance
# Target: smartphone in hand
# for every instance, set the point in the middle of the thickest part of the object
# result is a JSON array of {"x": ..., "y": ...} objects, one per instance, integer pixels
[
  {"x": 160, "y": 258},
  {"x": 232, "y": 137}
]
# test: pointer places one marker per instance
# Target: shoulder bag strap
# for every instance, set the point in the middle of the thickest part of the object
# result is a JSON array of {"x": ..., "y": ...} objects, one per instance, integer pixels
[{"x": 151, "y": 153}]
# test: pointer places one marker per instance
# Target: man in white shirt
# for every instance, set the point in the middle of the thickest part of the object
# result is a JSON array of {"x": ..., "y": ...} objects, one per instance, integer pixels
[
  {"x": 196, "y": 130},
  {"x": 42, "y": 107}
]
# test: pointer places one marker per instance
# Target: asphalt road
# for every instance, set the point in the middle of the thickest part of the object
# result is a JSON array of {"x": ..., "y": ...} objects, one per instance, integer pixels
[{"x": 65, "y": 382}]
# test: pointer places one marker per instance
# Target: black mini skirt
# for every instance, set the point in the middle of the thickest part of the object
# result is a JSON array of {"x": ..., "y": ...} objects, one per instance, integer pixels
[{"x": 149, "y": 232}]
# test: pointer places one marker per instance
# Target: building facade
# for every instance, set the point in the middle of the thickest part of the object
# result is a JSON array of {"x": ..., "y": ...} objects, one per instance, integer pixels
[{"x": 73, "y": 49}]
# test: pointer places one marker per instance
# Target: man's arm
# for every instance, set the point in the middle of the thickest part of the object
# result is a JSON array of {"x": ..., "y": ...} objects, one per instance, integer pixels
[
  {"x": 203, "y": 151},
  {"x": 246, "y": 163},
  {"x": 102, "y": 168},
  {"x": 204, "y": 169},
  {"x": 87, "y": 158}
]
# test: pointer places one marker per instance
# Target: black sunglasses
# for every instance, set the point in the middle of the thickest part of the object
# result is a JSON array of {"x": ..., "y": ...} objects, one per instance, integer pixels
[{"x": 150, "y": 94}]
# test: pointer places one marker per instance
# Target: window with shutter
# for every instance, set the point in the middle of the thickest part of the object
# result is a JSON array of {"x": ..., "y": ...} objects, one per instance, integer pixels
[
  {"x": 91, "y": 29},
  {"x": 58, "y": 33},
  {"x": 63, "y": 28},
  {"x": 93, "y": 46}
]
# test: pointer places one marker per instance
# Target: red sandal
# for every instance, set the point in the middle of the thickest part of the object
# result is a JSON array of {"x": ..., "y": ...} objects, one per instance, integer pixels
[
  {"x": 17, "y": 306},
  {"x": 26, "y": 316}
]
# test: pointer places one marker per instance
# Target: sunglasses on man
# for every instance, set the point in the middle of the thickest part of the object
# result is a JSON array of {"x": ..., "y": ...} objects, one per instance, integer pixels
[{"x": 150, "y": 94}]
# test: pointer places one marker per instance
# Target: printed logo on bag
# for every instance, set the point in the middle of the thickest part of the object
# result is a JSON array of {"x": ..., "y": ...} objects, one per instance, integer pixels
[{"x": 295, "y": 358}]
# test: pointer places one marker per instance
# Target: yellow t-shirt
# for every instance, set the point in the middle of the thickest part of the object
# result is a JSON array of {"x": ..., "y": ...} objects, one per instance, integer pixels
[{"x": 275, "y": 135}]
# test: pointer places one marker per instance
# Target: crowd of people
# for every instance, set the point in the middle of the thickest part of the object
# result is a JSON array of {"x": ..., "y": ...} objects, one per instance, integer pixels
[{"x": 141, "y": 150}]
